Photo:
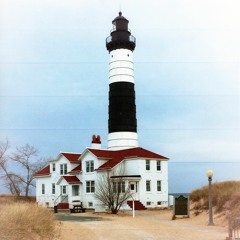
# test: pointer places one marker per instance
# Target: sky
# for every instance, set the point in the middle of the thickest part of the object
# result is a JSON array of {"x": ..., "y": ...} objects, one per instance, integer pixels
[{"x": 54, "y": 79}]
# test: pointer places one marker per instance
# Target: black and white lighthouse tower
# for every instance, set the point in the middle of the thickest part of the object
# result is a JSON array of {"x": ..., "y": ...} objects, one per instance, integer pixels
[{"x": 122, "y": 122}]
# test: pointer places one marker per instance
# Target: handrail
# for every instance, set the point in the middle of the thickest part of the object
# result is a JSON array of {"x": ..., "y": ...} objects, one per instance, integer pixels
[
  {"x": 61, "y": 199},
  {"x": 114, "y": 29},
  {"x": 130, "y": 39},
  {"x": 64, "y": 198},
  {"x": 57, "y": 199}
]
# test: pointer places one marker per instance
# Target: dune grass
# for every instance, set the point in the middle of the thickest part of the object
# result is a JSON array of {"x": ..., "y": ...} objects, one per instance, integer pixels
[
  {"x": 22, "y": 219},
  {"x": 226, "y": 197}
]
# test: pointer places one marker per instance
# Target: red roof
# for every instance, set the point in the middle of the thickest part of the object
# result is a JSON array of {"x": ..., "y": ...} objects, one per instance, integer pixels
[
  {"x": 117, "y": 156},
  {"x": 43, "y": 172},
  {"x": 72, "y": 157},
  {"x": 76, "y": 169},
  {"x": 71, "y": 179}
]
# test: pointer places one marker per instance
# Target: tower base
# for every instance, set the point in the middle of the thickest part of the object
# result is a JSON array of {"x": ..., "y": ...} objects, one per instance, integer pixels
[{"x": 122, "y": 140}]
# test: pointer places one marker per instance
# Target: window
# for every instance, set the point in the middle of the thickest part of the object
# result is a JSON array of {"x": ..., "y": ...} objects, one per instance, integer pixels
[
  {"x": 119, "y": 187},
  {"x": 63, "y": 169},
  {"x": 90, "y": 166},
  {"x": 147, "y": 164},
  {"x": 75, "y": 190},
  {"x": 158, "y": 165},
  {"x": 63, "y": 189},
  {"x": 53, "y": 188},
  {"x": 90, "y": 204},
  {"x": 43, "y": 188},
  {"x": 133, "y": 186},
  {"x": 148, "y": 203},
  {"x": 159, "y": 203},
  {"x": 159, "y": 186},
  {"x": 53, "y": 167},
  {"x": 148, "y": 186},
  {"x": 90, "y": 186}
]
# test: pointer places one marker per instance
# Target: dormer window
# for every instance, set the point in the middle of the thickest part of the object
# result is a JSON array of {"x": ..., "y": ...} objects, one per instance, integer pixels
[
  {"x": 90, "y": 166},
  {"x": 63, "y": 169}
]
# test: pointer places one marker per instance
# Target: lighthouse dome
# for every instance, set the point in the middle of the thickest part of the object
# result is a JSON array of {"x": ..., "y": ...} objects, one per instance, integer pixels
[
  {"x": 120, "y": 36},
  {"x": 120, "y": 17}
]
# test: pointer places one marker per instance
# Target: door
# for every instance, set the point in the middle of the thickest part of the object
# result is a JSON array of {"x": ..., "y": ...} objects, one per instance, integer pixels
[
  {"x": 134, "y": 190},
  {"x": 64, "y": 194}
]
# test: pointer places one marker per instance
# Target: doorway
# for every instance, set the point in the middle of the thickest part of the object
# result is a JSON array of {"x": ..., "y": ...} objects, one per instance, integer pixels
[{"x": 134, "y": 189}]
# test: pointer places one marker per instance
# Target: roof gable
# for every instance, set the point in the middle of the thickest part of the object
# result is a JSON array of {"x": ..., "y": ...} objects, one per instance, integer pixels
[
  {"x": 69, "y": 180},
  {"x": 104, "y": 154},
  {"x": 116, "y": 156},
  {"x": 72, "y": 157},
  {"x": 72, "y": 179},
  {"x": 76, "y": 169},
  {"x": 43, "y": 172}
]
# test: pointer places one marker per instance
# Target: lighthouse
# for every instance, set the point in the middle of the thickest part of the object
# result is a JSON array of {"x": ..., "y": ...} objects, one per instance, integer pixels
[
  {"x": 142, "y": 171},
  {"x": 122, "y": 121}
]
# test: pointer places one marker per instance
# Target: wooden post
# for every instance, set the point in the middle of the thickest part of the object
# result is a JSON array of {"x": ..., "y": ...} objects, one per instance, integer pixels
[
  {"x": 230, "y": 227},
  {"x": 133, "y": 208}
]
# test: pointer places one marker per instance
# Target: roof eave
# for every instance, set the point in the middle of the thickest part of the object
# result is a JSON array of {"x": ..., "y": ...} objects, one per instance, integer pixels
[
  {"x": 103, "y": 169},
  {"x": 75, "y": 172},
  {"x": 76, "y": 162},
  {"x": 75, "y": 182},
  {"x": 42, "y": 175}
]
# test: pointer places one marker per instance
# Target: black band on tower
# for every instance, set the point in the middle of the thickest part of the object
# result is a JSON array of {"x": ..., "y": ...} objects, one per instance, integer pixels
[{"x": 122, "y": 108}]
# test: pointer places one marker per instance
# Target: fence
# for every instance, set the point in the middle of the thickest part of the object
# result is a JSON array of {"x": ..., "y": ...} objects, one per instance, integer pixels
[{"x": 233, "y": 228}]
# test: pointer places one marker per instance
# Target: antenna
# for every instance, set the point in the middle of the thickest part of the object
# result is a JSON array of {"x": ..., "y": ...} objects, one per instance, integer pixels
[{"x": 120, "y": 5}]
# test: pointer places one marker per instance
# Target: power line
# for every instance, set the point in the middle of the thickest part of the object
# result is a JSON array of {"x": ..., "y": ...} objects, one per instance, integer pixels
[{"x": 105, "y": 62}]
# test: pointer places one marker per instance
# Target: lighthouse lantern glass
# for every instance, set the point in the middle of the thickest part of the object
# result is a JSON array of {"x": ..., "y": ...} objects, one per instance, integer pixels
[{"x": 114, "y": 26}]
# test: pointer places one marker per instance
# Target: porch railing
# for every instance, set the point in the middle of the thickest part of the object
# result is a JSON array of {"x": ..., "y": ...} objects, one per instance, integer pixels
[{"x": 63, "y": 198}]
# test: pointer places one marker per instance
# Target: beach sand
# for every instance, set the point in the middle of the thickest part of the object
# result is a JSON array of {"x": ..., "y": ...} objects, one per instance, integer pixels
[{"x": 147, "y": 225}]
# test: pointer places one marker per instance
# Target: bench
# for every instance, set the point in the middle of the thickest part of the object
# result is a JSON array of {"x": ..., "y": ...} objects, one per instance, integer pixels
[{"x": 77, "y": 208}]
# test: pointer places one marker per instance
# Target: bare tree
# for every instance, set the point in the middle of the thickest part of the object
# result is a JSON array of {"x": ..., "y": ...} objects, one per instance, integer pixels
[
  {"x": 13, "y": 183},
  {"x": 21, "y": 180},
  {"x": 111, "y": 190},
  {"x": 26, "y": 157},
  {"x": 9, "y": 177},
  {"x": 4, "y": 146}
]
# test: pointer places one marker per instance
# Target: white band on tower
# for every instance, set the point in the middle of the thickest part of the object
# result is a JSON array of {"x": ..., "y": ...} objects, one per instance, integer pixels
[
  {"x": 121, "y": 66},
  {"x": 122, "y": 140}
]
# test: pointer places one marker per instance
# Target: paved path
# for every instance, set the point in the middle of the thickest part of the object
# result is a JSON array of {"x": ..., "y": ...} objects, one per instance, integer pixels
[{"x": 73, "y": 218}]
